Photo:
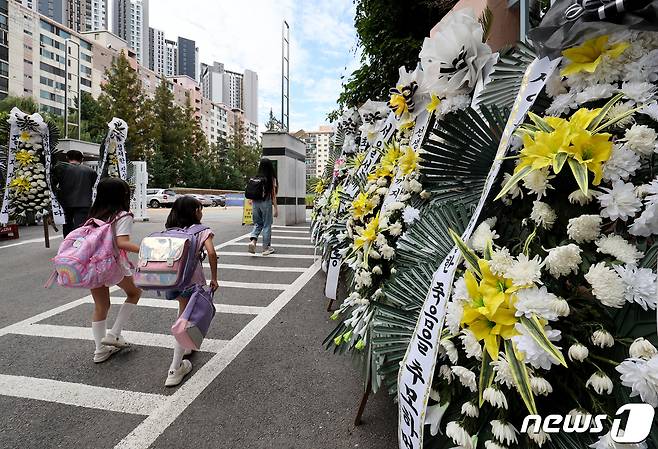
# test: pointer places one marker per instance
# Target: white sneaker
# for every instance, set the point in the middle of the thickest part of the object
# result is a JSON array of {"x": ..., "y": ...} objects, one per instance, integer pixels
[
  {"x": 268, "y": 250},
  {"x": 174, "y": 377},
  {"x": 104, "y": 353},
  {"x": 112, "y": 340},
  {"x": 252, "y": 247}
]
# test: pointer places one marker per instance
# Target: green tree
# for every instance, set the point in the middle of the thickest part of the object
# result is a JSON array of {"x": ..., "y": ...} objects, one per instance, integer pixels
[
  {"x": 390, "y": 34},
  {"x": 122, "y": 97},
  {"x": 94, "y": 126}
]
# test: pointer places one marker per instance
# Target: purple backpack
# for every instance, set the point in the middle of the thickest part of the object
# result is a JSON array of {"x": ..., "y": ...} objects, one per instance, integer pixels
[
  {"x": 168, "y": 259},
  {"x": 192, "y": 326}
]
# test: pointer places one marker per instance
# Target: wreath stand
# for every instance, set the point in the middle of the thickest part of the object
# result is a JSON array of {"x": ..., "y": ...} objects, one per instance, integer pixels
[{"x": 47, "y": 221}]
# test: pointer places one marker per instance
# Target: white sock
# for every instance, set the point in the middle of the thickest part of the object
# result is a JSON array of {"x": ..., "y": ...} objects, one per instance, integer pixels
[
  {"x": 179, "y": 351},
  {"x": 125, "y": 311},
  {"x": 98, "y": 329}
]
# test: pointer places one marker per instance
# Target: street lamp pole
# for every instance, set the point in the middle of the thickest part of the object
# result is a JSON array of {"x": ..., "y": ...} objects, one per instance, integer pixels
[{"x": 67, "y": 86}]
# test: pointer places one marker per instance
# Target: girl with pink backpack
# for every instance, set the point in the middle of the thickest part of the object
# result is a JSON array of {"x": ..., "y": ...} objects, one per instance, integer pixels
[
  {"x": 186, "y": 214},
  {"x": 112, "y": 205}
]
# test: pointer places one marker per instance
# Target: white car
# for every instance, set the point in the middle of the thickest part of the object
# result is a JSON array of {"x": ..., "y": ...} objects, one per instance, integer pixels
[
  {"x": 205, "y": 201},
  {"x": 160, "y": 197}
]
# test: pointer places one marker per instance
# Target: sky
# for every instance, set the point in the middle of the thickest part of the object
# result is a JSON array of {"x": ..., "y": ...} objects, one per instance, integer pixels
[{"x": 246, "y": 34}]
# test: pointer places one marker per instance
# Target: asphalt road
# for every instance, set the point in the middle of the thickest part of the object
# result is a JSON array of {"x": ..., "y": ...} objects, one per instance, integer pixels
[{"x": 262, "y": 380}]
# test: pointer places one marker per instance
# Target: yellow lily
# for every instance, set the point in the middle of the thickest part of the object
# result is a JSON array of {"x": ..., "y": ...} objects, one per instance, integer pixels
[
  {"x": 387, "y": 164},
  {"x": 541, "y": 151},
  {"x": 335, "y": 200},
  {"x": 435, "y": 101},
  {"x": 361, "y": 206},
  {"x": 398, "y": 104},
  {"x": 591, "y": 150},
  {"x": 319, "y": 186},
  {"x": 490, "y": 312},
  {"x": 588, "y": 56},
  {"x": 368, "y": 234},
  {"x": 408, "y": 162}
]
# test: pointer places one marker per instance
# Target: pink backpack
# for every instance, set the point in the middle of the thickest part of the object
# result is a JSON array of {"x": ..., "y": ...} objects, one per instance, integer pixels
[{"x": 88, "y": 257}]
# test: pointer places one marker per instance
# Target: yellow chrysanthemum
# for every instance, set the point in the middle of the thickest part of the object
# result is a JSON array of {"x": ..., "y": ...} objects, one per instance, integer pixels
[
  {"x": 24, "y": 158},
  {"x": 319, "y": 186},
  {"x": 361, "y": 206},
  {"x": 399, "y": 104},
  {"x": 368, "y": 234},
  {"x": 588, "y": 56},
  {"x": 386, "y": 166},
  {"x": 24, "y": 136},
  {"x": 334, "y": 202},
  {"x": 490, "y": 312},
  {"x": 20, "y": 184},
  {"x": 408, "y": 162},
  {"x": 435, "y": 101}
]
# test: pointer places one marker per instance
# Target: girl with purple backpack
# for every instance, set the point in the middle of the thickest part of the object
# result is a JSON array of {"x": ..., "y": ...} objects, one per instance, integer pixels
[
  {"x": 185, "y": 212},
  {"x": 112, "y": 204}
]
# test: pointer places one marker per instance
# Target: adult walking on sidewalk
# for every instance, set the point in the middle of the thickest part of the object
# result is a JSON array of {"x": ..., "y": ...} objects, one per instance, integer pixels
[
  {"x": 263, "y": 189},
  {"x": 73, "y": 184}
]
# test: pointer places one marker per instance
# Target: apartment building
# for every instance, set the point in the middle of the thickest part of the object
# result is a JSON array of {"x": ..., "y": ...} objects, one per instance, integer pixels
[
  {"x": 4, "y": 49},
  {"x": 187, "y": 58},
  {"x": 236, "y": 90},
  {"x": 78, "y": 15},
  {"x": 131, "y": 22}
]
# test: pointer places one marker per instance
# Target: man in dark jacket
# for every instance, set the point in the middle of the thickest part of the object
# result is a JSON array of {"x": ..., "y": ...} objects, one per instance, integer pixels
[{"x": 73, "y": 184}]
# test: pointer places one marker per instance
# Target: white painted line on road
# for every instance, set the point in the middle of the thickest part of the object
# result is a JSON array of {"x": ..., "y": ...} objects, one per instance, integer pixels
[
  {"x": 80, "y": 395},
  {"x": 282, "y": 245},
  {"x": 286, "y": 231},
  {"x": 306, "y": 228},
  {"x": 166, "y": 304},
  {"x": 253, "y": 285},
  {"x": 135, "y": 338},
  {"x": 283, "y": 237},
  {"x": 271, "y": 256},
  {"x": 25, "y": 242},
  {"x": 162, "y": 417},
  {"x": 230, "y": 266},
  {"x": 230, "y": 242}
]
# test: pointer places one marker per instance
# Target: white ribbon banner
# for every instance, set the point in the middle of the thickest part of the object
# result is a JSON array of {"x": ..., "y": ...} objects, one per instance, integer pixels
[
  {"x": 114, "y": 142},
  {"x": 417, "y": 367}
]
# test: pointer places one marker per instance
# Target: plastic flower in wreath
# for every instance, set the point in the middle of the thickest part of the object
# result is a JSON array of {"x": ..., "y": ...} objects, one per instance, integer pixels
[
  {"x": 334, "y": 202},
  {"x": 24, "y": 158},
  {"x": 588, "y": 56},
  {"x": 361, "y": 206},
  {"x": 490, "y": 313},
  {"x": 408, "y": 162},
  {"x": 20, "y": 184},
  {"x": 591, "y": 151},
  {"x": 368, "y": 234},
  {"x": 389, "y": 160},
  {"x": 24, "y": 136}
]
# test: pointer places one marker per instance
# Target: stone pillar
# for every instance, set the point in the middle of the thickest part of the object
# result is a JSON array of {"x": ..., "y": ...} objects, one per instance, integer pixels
[{"x": 288, "y": 154}]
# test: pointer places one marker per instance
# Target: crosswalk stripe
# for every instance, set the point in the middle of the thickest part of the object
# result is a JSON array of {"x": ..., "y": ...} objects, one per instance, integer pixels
[
  {"x": 290, "y": 227},
  {"x": 253, "y": 285},
  {"x": 281, "y": 237},
  {"x": 166, "y": 304},
  {"x": 231, "y": 266},
  {"x": 80, "y": 395},
  {"x": 287, "y": 231},
  {"x": 271, "y": 256},
  {"x": 25, "y": 242},
  {"x": 284, "y": 246},
  {"x": 135, "y": 338}
]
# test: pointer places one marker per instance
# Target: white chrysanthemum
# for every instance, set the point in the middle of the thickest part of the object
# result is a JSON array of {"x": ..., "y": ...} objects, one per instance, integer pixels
[
  {"x": 639, "y": 285},
  {"x": 490, "y": 444},
  {"x": 540, "y": 302},
  {"x": 642, "y": 349},
  {"x": 584, "y": 228},
  {"x": 537, "y": 182},
  {"x": 578, "y": 352},
  {"x": 641, "y": 139},
  {"x": 395, "y": 229},
  {"x": 456, "y": 433},
  {"x": 555, "y": 86},
  {"x": 482, "y": 235},
  {"x": 425, "y": 194},
  {"x": 562, "y": 103},
  {"x": 466, "y": 377},
  {"x": 448, "y": 347},
  {"x": 446, "y": 373},
  {"x": 534, "y": 354},
  {"x": 471, "y": 344},
  {"x": 619, "y": 202},
  {"x": 382, "y": 182},
  {"x": 387, "y": 252},
  {"x": 618, "y": 109},
  {"x": 381, "y": 240},
  {"x": 503, "y": 371},
  {"x": 616, "y": 246},
  {"x": 540, "y": 438},
  {"x": 495, "y": 397},
  {"x": 600, "y": 383},
  {"x": 504, "y": 431},
  {"x": 410, "y": 214},
  {"x": 363, "y": 279},
  {"x": 415, "y": 186},
  {"x": 377, "y": 269},
  {"x": 459, "y": 290},
  {"x": 595, "y": 92},
  {"x": 606, "y": 442},
  {"x": 640, "y": 92},
  {"x": 515, "y": 191},
  {"x": 578, "y": 197},
  {"x": 500, "y": 261},
  {"x": 543, "y": 215},
  {"x": 607, "y": 286},
  {"x": 525, "y": 271},
  {"x": 647, "y": 223},
  {"x": 454, "y": 313},
  {"x": 471, "y": 410},
  {"x": 641, "y": 376},
  {"x": 623, "y": 163},
  {"x": 540, "y": 386},
  {"x": 563, "y": 260},
  {"x": 602, "y": 339}
]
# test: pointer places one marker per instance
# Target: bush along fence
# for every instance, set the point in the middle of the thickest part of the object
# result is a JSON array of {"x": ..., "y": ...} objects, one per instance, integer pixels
[{"x": 494, "y": 225}]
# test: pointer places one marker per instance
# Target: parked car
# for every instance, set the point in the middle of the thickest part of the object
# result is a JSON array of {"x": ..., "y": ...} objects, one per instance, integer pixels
[
  {"x": 205, "y": 201},
  {"x": 217, "y": 200},
  {"x": 160, "y": 197}
]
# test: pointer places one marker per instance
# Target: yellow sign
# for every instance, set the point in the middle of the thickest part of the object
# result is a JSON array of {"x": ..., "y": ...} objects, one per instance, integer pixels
[{"x": 247, "y": 209}]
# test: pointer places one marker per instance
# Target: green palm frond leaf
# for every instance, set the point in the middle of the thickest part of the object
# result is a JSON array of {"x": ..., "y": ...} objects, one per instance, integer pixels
[
  {"x": 459, "y": 151},
  {"x": 505, "y": 79}
]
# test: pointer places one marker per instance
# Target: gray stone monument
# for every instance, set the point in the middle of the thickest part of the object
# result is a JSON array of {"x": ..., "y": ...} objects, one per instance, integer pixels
[{"x": 288, "y": 154}]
